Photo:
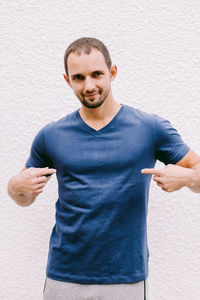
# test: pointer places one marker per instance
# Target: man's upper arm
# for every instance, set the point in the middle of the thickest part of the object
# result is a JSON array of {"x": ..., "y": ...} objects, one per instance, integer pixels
[
  {"x": 38, "y": 157},
  {"x": 170, "y": 148},
  {"x": 189, "y": 160}
]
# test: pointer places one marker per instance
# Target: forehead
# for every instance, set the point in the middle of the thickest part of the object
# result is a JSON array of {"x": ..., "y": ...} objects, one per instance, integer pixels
[{"x": 86, "y": 63}]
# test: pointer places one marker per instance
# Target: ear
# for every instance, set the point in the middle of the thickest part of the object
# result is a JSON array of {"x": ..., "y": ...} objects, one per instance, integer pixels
[
  {"x": 67, "y": 79},
  {"x": 113, "y": 72}
]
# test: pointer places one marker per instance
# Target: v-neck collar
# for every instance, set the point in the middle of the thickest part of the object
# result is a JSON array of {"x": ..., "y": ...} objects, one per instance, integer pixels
[{"x": 103, "y": 129}]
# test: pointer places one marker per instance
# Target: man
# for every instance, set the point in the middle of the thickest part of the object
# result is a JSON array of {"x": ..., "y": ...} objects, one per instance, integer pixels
[{"x": 98, "y": 246}]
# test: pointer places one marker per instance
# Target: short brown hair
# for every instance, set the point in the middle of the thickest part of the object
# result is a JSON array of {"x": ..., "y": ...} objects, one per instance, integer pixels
[{"x": 86, "y": 44}]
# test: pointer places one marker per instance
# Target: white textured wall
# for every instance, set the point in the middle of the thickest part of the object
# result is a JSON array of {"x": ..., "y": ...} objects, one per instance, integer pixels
[{"x": 155, "y": 45}]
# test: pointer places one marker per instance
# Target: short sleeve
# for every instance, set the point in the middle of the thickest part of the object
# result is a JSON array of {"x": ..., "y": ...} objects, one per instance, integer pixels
[
  {"x": 38, "y": 157},
  {"x": 170, "y": 147}
]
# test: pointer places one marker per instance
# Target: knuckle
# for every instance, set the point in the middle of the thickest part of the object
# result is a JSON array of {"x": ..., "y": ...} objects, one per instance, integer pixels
[
  {"x": 168, "y": 189},
  {"x": 44, "y": 178},
  {"x": 31, "y": 173}
]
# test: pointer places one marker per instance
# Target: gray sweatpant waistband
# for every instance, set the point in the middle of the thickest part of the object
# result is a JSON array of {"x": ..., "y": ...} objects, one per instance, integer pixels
[{"x": 59, "y": 290}]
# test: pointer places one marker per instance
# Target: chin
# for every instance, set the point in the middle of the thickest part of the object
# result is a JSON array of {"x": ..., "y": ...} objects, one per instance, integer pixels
[
  {"x": 91, "y": 104},
  {"x": 88, "y": 105}
]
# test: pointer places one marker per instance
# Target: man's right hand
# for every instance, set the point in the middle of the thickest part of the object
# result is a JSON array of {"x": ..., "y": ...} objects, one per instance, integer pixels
[{"x": 31, "y": 180}]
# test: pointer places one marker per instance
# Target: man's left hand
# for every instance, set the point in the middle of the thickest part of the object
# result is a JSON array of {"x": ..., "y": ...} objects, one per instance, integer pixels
[{"x": 172, "y": 177}]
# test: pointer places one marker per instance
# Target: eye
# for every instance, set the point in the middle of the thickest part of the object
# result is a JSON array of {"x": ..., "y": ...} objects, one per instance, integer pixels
[
  {"x": 97, "y": 74},
  {"x": 78, "y": 77}
]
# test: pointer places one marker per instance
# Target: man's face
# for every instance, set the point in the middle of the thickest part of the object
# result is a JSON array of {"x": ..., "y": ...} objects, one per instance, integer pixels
[{"x": 89, "y": 77}]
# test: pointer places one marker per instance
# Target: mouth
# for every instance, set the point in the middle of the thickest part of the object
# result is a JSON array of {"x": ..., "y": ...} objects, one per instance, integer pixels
[{"x": 91, "y": 95}]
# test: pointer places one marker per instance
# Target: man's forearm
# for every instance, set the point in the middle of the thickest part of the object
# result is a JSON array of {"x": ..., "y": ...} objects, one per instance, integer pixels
[
  {"x": 20, "y": 198},
  {"x": 194, "y": 181}
]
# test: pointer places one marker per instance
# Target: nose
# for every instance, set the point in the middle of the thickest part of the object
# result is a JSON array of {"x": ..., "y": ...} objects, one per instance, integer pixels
[{"x": 89, "y": 85}]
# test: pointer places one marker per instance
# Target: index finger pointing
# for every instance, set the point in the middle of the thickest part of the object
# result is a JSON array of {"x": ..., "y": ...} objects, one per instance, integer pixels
[
  {"x": 150, "y": 171},
  {"x": 45, "y": 171}
]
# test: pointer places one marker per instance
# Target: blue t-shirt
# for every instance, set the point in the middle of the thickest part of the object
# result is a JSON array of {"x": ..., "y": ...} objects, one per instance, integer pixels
[{"x": 100, "y": 233}]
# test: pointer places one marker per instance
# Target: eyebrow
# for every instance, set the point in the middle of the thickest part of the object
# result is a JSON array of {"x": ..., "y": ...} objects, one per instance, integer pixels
[{"x": 78, "y": 74}]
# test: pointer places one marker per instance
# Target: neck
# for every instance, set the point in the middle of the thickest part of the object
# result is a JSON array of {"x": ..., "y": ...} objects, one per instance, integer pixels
[{"x": 107, "y": 110}]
